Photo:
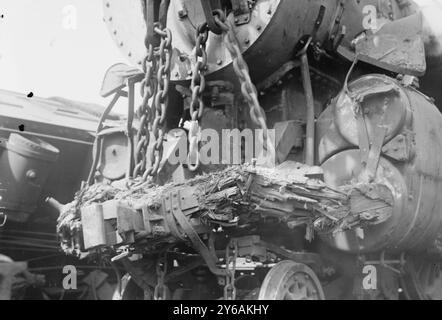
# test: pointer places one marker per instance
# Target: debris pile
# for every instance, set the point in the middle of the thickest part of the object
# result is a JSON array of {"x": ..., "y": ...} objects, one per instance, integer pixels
[{"x": 291, "y": 193}]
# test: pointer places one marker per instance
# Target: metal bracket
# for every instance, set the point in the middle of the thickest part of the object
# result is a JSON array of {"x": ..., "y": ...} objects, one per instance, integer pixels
[
  {"x": 387, "y": 263},
  {"x": 399, "y": 148},
  {"x": 125, "y": 253},
  {"x": 336, "y": 37},
  {"x": 209, "y": 256},
  {"x": 373, "y": 155},
  {"x": 318, "y": 21},
  {"x": 169, "y": 218},
  {"x": 253, "y": 246},
  {"x": 241, "y": 12},
  {"x": 313, "y": 260}
]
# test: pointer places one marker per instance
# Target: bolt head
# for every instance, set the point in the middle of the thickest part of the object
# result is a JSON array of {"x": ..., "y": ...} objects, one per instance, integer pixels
[{"x": 31, "y": 174}]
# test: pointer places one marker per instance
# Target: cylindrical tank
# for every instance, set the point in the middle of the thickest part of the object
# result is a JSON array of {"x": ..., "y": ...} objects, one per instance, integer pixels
[
  {"x": 268, "y": 40},
  {"x": 25, "y": 164},
  {"x": 410, "y": 162},
  {"x": 257, "y": 38}
]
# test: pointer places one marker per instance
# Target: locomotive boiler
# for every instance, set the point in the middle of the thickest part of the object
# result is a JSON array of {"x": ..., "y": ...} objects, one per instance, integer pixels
[
  {"x": 353, "y": 180},
  {"x": 403, "y": 125}
]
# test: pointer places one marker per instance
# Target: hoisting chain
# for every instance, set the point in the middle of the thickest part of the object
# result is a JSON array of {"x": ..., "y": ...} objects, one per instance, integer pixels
[
  {"x": 160, "y": 291},
  {"x": 161, "y": 99},
  {"x": 231, "y": 257},
  {"x": 197, "y": 86},
  {"x": 148, "y": 89},
  {"x": 241, "y": 69},
  {"x": 154, "y": 89}
]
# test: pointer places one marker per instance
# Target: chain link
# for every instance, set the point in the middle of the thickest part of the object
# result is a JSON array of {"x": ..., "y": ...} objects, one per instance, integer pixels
[
  {"x": 161, "y": 99},
  {"x": 155, "y": 90},
  {"x": 197, "y": 86},
  {"x": 231, "y": 257},
  {"x": 160, "y": 292},
  {"x": 148, "y": 89},
  {"x": 241, "y": 69}
]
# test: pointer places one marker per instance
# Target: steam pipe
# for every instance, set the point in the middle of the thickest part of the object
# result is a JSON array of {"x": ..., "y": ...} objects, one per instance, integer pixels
[
  {"x": 310, "y": 131},
  {"x": 54, "y": 204}
]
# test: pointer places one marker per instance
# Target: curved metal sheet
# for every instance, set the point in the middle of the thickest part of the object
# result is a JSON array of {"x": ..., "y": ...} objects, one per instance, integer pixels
[{"x": 125, "y": 22}]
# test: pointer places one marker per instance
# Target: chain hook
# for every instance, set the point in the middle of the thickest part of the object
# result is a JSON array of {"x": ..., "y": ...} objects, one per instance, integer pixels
[{"x": 197, "y": 87}]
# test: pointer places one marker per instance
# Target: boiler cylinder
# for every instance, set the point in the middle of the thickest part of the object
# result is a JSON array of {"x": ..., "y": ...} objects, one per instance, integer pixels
[
  {"x": 378, "y": 123},
  {"x": 268, "y": 32}
]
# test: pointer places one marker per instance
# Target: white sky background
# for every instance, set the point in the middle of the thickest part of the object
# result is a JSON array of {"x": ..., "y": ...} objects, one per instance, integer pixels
[{"x": 38, "y": 54}]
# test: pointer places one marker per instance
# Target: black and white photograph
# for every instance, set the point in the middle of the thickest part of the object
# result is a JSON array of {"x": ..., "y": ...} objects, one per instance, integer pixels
[{"x": 220, "y": 154}]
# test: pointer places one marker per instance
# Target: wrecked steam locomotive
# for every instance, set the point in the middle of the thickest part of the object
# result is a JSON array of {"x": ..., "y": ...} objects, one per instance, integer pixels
[{"x": 357, "y": 153}]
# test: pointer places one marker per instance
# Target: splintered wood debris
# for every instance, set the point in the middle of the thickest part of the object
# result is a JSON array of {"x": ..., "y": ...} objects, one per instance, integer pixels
[{"x": 286, "y": 193}]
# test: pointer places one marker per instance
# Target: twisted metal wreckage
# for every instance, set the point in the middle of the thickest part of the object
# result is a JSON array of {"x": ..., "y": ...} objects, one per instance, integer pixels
[{"x": 364, "y": 176}]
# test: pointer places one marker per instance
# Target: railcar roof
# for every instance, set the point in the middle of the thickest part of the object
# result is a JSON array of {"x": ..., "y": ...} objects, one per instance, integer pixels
[{"x": 54, "y": 111}]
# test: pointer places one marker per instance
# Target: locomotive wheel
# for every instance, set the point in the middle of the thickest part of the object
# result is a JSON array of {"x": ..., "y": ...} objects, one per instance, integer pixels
[
  {"x": 422, "y": 280},
  {"x": 288, "y": 280}
]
